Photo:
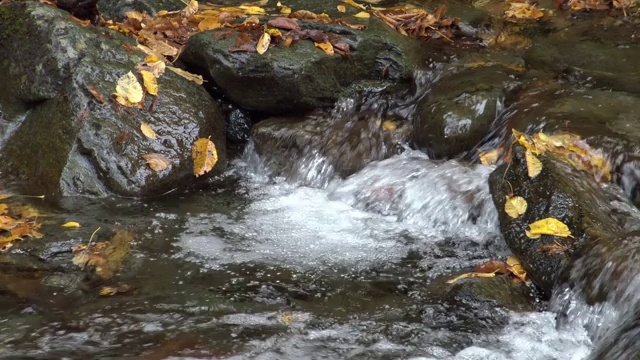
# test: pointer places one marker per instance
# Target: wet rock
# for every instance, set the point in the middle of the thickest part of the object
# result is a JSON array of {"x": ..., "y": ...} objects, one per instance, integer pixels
[
  {"x": 117, "y": 9},
  {"x": 603, "y": 53},
  {"x": 62, "y": 140},
  {"x": 459, "y": 110},
  {"x": 300, "y": 148},
  {"x": 83, "y": 9},
  {"x": 561, "y": 192},
  {"x": 238, "y": 126},
  {"x": 301, "y": 77}
]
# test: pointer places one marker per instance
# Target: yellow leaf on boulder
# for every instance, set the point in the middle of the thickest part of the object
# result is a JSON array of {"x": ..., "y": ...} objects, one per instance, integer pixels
[
  {"x": 263, "y": 43},
  {"x": 534, "y": 166},
  {"x": 548, "y": 226},
  {"x": 515, "y": 206},
  {"x": 129, "y": 90},
  {"x": 326, "y": 47},
  {"x": 489, "y": 157},
  {"x": 253, "y": 10},
  {"x": 148, "y": 131},
  {"x": 190, "y": 9},
  {"x": 205, "y": 156},
  {"x": 209, "y": 23},
  {"x": 187, "y": 75},
  {"x": 71, "y": 224},
  {"x": 150, "y": 82},
  {"x": 285, "y": 10},
  {"x": 156, "y": 162},
  {"x": 363, "y": 15},
  {"x": 513, "y": 265},
  {"x": 341, "y": 8}
]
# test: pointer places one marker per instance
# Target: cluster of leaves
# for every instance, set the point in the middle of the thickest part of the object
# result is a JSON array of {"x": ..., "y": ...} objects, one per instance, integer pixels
[
  {"x": 578, "y": 5},
  {"x": 17, "y": 223},
  {"x": 105, "y": 257},
  {"x": 524, "y": 11},
  {"x": 419, "y": 23},
  {"x": 492, "y": 268}
]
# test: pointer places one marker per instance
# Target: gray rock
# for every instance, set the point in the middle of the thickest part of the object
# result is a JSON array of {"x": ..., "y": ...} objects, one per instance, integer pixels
[
  {"x": 301, "y": 77},
  {"x": 60, "y": 140}
]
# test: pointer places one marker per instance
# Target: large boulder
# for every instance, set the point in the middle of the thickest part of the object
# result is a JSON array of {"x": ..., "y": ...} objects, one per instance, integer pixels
[
  {"x": 59, "y": 139},
  {"x": 301, "y": 77}
]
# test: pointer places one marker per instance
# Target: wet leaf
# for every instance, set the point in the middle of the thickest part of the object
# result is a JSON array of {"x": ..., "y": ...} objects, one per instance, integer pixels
[
  {"x": 287, "y": 318},
  {"x": 363, "y": 15},
  {"x": 492, "y": 266},
  {"x": 548, "y": 226},
  {"x": 205, "y": 156},
  {"x": 515, "y": 206},
  {"x": 129, "y": 90},
  {"x": 187, "y": 75},
  {"x": 284, "y": 23},
  {"x": 106, "y": 258},
  {"x": 148, "y": 131},
  {"x": 471, "y": 275},
  {"x": 326, "y": 47},
  {"x": 341, "y": 8},
  {"x": 156, "y": 162},
  {"x": 112, "y": 290},
  {"x": 524, "y": 11},
  {"x": 553, "y": 248},
  {"x": 354, "y": 4},
  {"x": 514, "y": 266},
  {"x": 489, "y": 157},
  {"x": 389, "y": 125},
  {"x": 150, "y": 82},
  {"x": 263, "y": 43},
  {"x": 156, "y": 68},
  {"x": 209, "y": 23},
  {"x": 191, "y": 8},
  {"x": 534, "y": 165},
  {"x": 253, "y": 10},
  {"x": 71, "y": 224}
]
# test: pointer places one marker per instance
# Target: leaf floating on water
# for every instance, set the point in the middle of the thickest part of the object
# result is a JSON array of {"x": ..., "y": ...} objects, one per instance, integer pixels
[
  {"x": 363, "y": 15},
  {"x": 515, "y": 206},
  {"x": 534, "y": 165},
  {"x": 205, "y": 156},
  {"x": 471, "y": 275},
  {"x": 71, "y": 224},
  {"x": 148, "y": 131},
  {"x": 187, "y": 75},
  {"x": 150, "y": 82},
  {"x": 157, "y": 162},
  {"x": 263, "y": 43},
  {"x": 326, "y": 47},
  {"x": 548, "y": 226},
  {"x": 105, "y": 257},
  {"x": 128, "y": 90},
  {"x": 489, "y": 157}
]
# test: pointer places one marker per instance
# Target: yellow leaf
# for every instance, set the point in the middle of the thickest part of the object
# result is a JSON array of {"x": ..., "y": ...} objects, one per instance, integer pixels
[
  {"x": 515, "y": 206},
  {"x": 285, "y": 10},
  {"x": 389, "y": 125},
  {"x": 108, "y": 291},
  {"x": 191, "y": 8},
  {"x": 549, "y": 226},
  {"x": 129, "y": 89},
  {"x": 263, "y": 43},
  {"x": 253, "y": 10},
  {"x": 489, "y": 157},
  {"x": 530, "y": 235},
  {"x": 187, "y": 75},
  {"x": 524, "y": 11},
  {"x": 5, "y": 196},
  {"x": 150, "y": 82},
  {"x": 534, "y": 166},
  {"x": 156, "y": 162},
  {"x": 205, "y": 156},
  {"x": 326, "y": 47},
  {"x": 513, "y": 265},
  {"x": 4, "y": 209},
  {"x": 354, "y": 4},
  {"x": 209, "y": 23},
  {"x": 151, "y": 58},
  {"x": 148, "y": 131},
  {"x": 341, "y": 8},
  {"x": 71, "y": 224},
  {"x": 363, "y": 15},
  {"x": 471, "y": 275},
  {"x": 274, "y": 32}
]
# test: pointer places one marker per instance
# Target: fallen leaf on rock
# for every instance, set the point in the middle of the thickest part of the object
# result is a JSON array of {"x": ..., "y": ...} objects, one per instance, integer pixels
[
  {"x": 96, "y": 93},
  {"x": 156, "y": 162},
  {"x": 4, "y": 208},
  {"x": 514, "y": 266},
  {"x": 187, "y": 75},
  {"x": 548, "y": 226},
  {"x": 155, "y": 67},
  {"x": 160, "y": 47},
  {"x": 285, "y": 10},
  {"x": 253, "y": 10},
  {"x": 274, "y": 33},
  {"x": 148, "y": 131},
  {"x": 354, "y": 4},
  {"x": 191, "y": 8},
  {"x": 150, "y": 82},
  {"x": 489, "y": 157},
  {"x": 492, "y": 266},
  {"x": 128, "y": 90},
  {"x": 363, "y": 15},
  {"x": 341, "y": 8},
  {"x": 471, "y": 275},
  {"x": 209, "y": 23},
  {"x": 71, "y": 224},
  {"x": 205, "y": 156},
  {"x": 389, "y": 125},
  {"x": 553, "y": 248},
  {"x": 515, "y": 206},
  {"x": 524, "y": 11},
  {"x": 284, "y": 23},
  {"x": 326, "y": 47},
  {"x": 534, "y": 165},
  {"x": 263, "y": 43}
]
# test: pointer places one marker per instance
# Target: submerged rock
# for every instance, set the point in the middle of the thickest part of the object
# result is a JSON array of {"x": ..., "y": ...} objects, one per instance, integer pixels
[
  {"x": 301, "y": 77},
  {"x": 59, "y": 139}
]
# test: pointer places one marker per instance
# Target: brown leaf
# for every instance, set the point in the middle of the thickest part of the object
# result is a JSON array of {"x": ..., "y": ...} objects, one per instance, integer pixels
[
  {"x": 243, "y": 43},
  {"x": 492, "y": 266},
  {"x": 96, "y": 93},
  {"x": 284, "y": 23},
  {"x": 205, "y": 156},
  {"x": 157, "y": 162}
]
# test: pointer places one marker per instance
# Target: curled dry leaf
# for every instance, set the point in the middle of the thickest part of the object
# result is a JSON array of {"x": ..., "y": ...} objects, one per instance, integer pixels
[
  {"x": 148, "y": 131},
  {"x": 326, "y": 47},
  {"x": 205, "y": 156},
  {"x": 150, "y": 82},
  {"x": 515, "y": 206},
  {"x": 514, "y": 266},
  {"x": 263, "y": 43},
  {"x": 548, "y": 226},
  {"x": 156, "y": 162},
  {"x": 128, "y": 90}
]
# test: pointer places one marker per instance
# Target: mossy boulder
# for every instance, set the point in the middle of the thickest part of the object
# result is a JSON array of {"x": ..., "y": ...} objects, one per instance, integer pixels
[{"x": 59, "y": 139}]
